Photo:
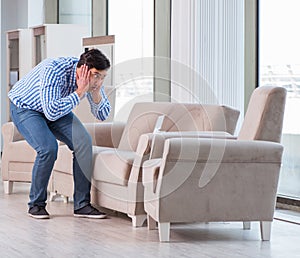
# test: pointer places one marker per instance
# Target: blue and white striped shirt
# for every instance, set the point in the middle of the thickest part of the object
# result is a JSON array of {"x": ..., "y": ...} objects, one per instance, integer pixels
[{"x": 50, "y": 89}]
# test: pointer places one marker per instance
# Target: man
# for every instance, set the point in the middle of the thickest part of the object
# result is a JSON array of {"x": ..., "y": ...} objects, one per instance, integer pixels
[{"x": 41, "y": 108}]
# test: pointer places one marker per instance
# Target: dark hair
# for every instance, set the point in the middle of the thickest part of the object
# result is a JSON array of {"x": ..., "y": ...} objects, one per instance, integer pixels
[{"x": 94, "y": 58}]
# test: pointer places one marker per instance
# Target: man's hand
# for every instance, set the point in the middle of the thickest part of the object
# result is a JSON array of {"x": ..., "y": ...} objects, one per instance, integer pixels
[
  {"x": 82, "y": 80},
  {"x": 95, "y": 92}
]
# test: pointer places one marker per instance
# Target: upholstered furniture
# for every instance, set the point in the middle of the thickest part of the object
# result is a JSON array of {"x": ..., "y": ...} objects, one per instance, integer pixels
[
  {"x": 119, "y": 152},
  {"x": 206, "y": 180},
  {"x": 18, "y": 156}
]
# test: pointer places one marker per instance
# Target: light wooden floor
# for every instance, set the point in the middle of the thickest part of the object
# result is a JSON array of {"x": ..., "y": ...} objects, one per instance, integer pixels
[{"x": 66, "y": 236}]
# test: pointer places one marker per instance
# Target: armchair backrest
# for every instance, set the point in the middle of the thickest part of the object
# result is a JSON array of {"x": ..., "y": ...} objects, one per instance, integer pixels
[
  {"x": 178, "y": 117},
  {"x": 264, "y": 116}
]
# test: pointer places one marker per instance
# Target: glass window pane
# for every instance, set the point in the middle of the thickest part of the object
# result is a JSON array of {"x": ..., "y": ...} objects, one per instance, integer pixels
[
  {"x": 75, "y": 12},
  {"x": 132, "y": 24},
  {"x": 279, "y": 64}
]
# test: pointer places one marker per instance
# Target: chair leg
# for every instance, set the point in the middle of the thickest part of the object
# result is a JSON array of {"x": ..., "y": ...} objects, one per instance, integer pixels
[
  {"x": 265, "y": 230},
  {"x": 164, "y": 231},
  {"x": 65, "y": 198},
  {"x": 151, "y": 223},
  {"x": 247, "y": 225},
  {"x": 8, "y": 186},
  {"x": 52, "y": 196},
  {"x": 138, "y": 220}
]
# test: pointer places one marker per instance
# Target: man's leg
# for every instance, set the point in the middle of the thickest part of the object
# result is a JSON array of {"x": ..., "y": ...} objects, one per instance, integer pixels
[
  {"x": 70, "y": 130},
  {"x": 33, "y": 126}
]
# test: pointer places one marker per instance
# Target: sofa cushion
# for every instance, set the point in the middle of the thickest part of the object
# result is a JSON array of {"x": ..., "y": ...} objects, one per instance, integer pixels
[{"x": 113, "y": 166}]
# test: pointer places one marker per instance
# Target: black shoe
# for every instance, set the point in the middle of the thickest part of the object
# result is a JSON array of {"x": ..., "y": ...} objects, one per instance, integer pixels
[
  {"x": 38, "y": 212},
  {"x": 89, "y": 211}
]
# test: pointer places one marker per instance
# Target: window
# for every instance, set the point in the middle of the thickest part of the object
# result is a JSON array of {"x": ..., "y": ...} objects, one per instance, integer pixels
[
  {"x": 75, "y": 12},
  {"x": 279, "y": 64},
  {"x": 132, "y": 24}
]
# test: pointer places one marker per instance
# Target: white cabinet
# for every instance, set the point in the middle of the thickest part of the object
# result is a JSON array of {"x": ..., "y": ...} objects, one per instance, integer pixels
[
  {"x": 54, "y": 40},
  {"x": 19, "y": 57}
]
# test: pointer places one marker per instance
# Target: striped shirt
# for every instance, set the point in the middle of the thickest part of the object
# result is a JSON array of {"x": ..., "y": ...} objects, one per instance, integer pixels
[{"x": 50, "y": 87}]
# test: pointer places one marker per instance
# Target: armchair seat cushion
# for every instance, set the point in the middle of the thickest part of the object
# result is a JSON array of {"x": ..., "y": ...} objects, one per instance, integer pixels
[
  {"x": 113, "y": 166},
  {"x": 65, "y": 165}
]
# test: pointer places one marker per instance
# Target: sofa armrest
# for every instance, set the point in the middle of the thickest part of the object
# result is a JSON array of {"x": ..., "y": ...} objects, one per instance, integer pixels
[
  {"x": 10, "y": 133},
  {"x": 106, "y": 134}
]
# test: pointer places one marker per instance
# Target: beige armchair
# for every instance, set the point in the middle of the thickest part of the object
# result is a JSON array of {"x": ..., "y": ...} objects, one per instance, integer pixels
[
  {"x": 206, "y": 180},
  {"x": 119, "y": 152},
  {"x": 17, "y": 158}
]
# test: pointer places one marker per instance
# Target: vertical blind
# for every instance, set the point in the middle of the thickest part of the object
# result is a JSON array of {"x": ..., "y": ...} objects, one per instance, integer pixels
[{"x": 207, "y": 52}]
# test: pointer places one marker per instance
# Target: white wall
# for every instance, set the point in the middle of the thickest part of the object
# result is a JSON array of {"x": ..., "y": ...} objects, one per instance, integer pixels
[{"x": 35, "y": 12}]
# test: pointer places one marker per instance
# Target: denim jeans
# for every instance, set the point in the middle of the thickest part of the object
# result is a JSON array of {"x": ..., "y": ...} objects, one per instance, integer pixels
[{"x": 42, "y": 134}]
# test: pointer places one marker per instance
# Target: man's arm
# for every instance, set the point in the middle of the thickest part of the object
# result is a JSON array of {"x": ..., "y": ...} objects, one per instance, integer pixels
[
  {"x": 100, "y": 110},
  {"x": 54, "y": 106}
]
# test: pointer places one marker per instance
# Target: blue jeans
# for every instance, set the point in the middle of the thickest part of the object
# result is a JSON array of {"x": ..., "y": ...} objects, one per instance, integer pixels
[{"x": 42, "y": 134}]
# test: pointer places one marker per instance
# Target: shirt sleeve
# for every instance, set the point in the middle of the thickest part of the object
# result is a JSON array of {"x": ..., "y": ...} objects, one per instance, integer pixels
[
  {"x": 102, "y": 110},
  {"x": 54, "y": 106}
]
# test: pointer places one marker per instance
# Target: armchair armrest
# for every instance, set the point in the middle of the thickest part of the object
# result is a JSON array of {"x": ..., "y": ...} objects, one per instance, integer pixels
[
  {"x": 223, "y": 150},
  {"x": 158, "y": 141},
  {"x": 10, "y": 133},
  {"x": 105, "y": 134},
  {"x": 150, "y": 178}
]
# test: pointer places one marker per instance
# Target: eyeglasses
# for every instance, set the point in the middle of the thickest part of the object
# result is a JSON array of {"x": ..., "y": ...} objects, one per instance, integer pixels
[{"x": 97, "y": 76}]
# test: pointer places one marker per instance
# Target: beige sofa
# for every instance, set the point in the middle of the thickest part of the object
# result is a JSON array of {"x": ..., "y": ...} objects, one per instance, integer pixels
[
  {"x": 206, "y": 180},
  {"x": 120, "y": 150}
]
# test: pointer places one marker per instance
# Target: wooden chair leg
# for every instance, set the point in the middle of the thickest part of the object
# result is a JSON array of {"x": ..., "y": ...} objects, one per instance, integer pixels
[
  {"x": 265, "y": 230},
  {"x": 65, "y": 198},
  {"x": 164, "y": 231},
  {"x": 52, "y": 196},
  {"x": 138, "y": 220},
  {"x": 8, "y": 186}
]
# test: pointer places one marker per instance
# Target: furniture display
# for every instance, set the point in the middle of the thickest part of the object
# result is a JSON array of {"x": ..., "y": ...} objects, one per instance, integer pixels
[
  {"x": 211, "y": 180},
  {"x": 120, "y": 149}
]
